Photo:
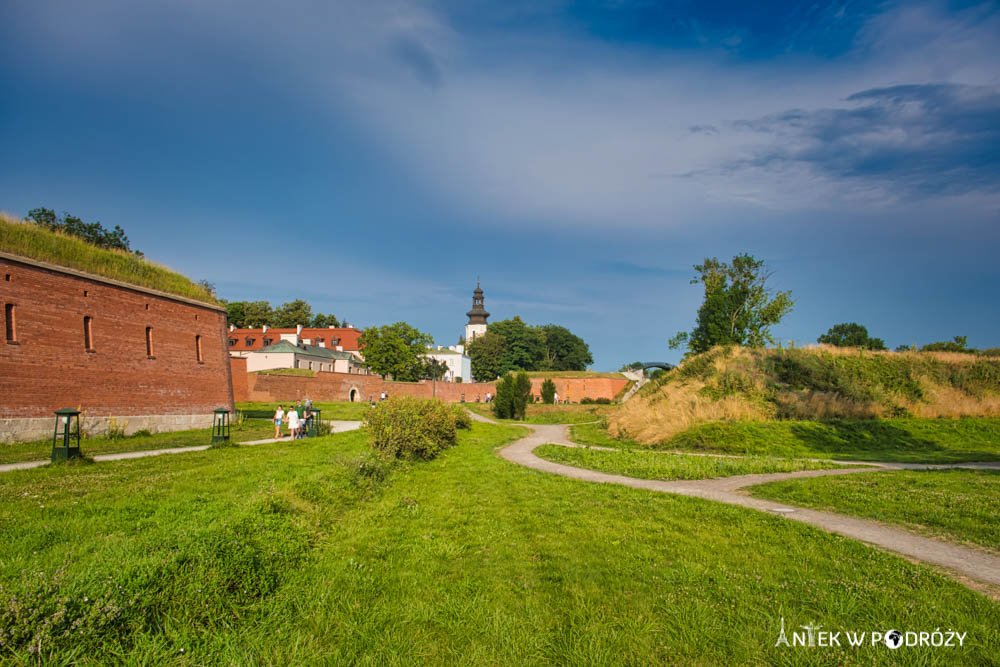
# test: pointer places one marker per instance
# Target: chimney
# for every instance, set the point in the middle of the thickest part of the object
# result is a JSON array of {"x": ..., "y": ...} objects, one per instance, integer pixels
[
  {"x": 232, "y": 327},
  {"x": 264, "y": 329},
  {"x": 298, "y": 330}
]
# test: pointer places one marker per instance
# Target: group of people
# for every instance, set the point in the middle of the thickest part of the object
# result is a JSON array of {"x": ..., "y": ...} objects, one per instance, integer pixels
[{"x": 299, "y": 419}]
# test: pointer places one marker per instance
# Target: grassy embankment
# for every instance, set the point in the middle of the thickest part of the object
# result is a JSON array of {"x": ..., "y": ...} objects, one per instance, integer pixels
[
  {"x": 307, "y": 552},
  {"x": 960, "y": 505},
  {"x": 574, "y": 374},
  {"x": 256, "y": 425},
  {"x": 29, "y": 240},
  {"x": 539, "y": 413}
]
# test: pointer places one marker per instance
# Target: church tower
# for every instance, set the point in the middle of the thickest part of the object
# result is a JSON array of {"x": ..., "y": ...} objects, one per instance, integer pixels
[{"x": 477, "y": 316}]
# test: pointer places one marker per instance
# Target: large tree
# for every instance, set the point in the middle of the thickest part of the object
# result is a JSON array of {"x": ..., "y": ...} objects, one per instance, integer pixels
[
  {"x": 322, "y": 321},
  {"x": 291, "y": 314},
  {"x": 487, "y": 354},
  {"x": 257, "y": 314},
  {"x": 524, "y": 348},
  {"x": 851, "y": 334},
  {"x": 395, "y": 349},
  {"x": 739, "y": 306},
  {"x": 563, "y": 350}
]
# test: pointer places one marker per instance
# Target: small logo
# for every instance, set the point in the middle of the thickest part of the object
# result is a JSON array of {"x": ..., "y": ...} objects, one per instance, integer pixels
[{"x": 894, "y": 639}]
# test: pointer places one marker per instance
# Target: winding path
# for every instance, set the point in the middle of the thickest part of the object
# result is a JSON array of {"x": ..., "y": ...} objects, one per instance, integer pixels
[{"x": 967, "y": 563}]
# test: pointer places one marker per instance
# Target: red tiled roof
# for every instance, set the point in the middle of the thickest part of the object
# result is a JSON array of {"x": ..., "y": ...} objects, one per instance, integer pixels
[{"x": 346, "y": 338}]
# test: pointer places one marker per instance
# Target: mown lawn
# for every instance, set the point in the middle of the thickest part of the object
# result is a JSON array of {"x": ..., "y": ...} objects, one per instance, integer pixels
[
  {"x": 37, "y": 450},
  {"x": 313, "y": 553},
  {"x": 902, "y": 440},
  {"x": 539, "y": 413},
  {"x": 665, "y": 466},
  {"x": 961, "y": 505}
]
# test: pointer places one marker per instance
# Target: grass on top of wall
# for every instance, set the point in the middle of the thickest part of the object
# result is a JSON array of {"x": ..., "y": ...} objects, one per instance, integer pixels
[
  {"x": 26, "y": 239},
  {"x": 574, "y": 374},
  {"x": 294, "y": 372}
]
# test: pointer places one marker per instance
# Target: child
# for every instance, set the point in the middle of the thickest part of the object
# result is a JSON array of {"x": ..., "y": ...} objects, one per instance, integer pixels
[
  {"x": 279, "y": 415},
  {"x": 293, "y": 423}
]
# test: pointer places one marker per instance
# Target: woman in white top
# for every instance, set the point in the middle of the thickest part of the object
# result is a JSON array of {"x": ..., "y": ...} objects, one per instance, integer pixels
[
  {"x": 279, "y": 415},
  {"x": 293, "y": 422}
]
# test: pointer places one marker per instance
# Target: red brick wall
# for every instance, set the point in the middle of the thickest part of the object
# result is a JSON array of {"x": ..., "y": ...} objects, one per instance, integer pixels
[
  {"x": 337, "y": 387},
  {"x": 49, "y": 367}
]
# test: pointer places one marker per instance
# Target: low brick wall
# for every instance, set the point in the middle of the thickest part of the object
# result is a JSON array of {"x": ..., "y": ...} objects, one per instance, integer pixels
[{"x": 258, "y": 388}]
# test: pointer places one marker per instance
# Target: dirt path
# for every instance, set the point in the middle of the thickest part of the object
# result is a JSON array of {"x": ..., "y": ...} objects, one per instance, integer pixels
[{"x": 968, "y": 563}]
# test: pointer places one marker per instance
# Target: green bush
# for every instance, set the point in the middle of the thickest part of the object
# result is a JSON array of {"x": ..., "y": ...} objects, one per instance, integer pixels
[
  {"x": 463, "y": 419},
  {"x": 513, "y": 393},
  {"x": 548, "y": 392},
  {"x": 411, "y": 428}
]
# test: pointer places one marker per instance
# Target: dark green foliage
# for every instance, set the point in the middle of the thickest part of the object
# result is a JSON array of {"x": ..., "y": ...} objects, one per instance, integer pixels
[
  {"x": 956, "y": 345},
  {"x": 396, "y": 349},
  {"x": 434, "y": 369},
  {"x": 513, "y": 393},
  {"x": 486, "y": 353},
  {"x": 411, "y": 428},
  {"x": 463, "y": 420},
  {"x": 524, "y": 348},
  {"x": 548, "y": 391},
  {"x": 563, "y": 350},
  {"x": 91, "y": 232},
  {"x": 586, "y": 400},
  {"x": 322, "y": 321},
  {"x": 738, "y": 308},
  {"x": 290, "y": 315},
  {"x": 851, "y": 334}
]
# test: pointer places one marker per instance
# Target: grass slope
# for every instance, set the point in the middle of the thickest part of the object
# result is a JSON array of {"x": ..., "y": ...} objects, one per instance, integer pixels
[
  {"x": 961, "y": 505},
  {"x": 296, "y": 553},
  {"x": 539, "y": 413},
  {"x": 664, "y": 466},
  {"x": 28, "y": 240}
]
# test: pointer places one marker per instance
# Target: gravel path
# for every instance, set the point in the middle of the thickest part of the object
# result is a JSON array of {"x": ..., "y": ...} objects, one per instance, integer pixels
[{"x": 976, "y": 565}]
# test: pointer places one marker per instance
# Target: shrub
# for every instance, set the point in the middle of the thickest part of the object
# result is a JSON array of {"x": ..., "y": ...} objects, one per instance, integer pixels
[
  {"x": 463, "y": 419},
  {"x": 458, "y": 380},
  {"x": 411, "y": 428},
  {"x": 116, "y": 429},
  {"x": 548, "y": 391},
  {"x": 513, "y": 392},
  {"x": 142, "y": 433}
]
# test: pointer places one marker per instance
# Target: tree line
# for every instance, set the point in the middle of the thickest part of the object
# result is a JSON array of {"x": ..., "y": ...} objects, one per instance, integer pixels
[
  {"x": 512, "y": 345},
  {"x": 255, "y": 314},
  {"x": 91, "y": 232}
]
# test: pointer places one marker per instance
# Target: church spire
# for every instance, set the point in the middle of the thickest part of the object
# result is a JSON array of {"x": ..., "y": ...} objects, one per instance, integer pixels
[{"x": 477, "y": 316}]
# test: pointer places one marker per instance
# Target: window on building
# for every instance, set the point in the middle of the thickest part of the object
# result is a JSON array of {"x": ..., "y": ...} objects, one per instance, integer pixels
[
  {"x": 232, "y": 342},
  {"x": 149, "y": 342},
  {"x": 88, "y": 333},
  {"x": 10, "y": 326},
  {"x": 320, "y": 341},
  {"x": 334, "y": 341},
  {"x": 268, "y": 341},
  {"x": 197, "y": 349},
  {"x": 249, "y": 341}
]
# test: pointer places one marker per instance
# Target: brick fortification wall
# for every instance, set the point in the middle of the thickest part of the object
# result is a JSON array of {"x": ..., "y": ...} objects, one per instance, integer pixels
[
  {"x": 47, "y": 365},
  {"x": 338, "y": 386}
]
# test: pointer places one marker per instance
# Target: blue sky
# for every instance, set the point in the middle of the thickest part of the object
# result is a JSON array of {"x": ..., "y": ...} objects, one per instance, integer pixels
[{"x": 375, "y": 158}]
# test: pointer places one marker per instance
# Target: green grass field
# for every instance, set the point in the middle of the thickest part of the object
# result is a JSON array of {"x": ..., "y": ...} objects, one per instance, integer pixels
[
  {"x": 960, "y": 505},
  {"x": 664, "y": 466},
  {"x": 901, "y": 440},
  {"x": 37, "y": 450},
  {"x": 549, "y": 414},
  {"x": 311, "y": 553}
]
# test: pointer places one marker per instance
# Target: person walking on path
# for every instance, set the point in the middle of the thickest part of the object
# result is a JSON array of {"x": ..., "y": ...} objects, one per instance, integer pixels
[
  {"x": 293, "y": 423},
  {"x": 555, "y": 398},
  {"x": 279, "y": 415}
]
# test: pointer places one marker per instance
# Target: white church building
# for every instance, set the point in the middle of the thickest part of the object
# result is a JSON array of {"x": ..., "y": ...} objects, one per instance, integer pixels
[{"x": 459, "y": 364}]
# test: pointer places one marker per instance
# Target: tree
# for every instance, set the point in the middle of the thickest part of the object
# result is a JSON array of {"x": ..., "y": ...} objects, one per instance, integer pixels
[
  {"x": 395, "y": 349},
  {"x": 513, "y": 392},
  {"x": 322, "y": 321},
  {"x": 851, "y": 334},
  {"x": 487, "y": 355},
  {"x": 291, "y": 314},
  {"x": 91, "y": 232},
  {"x": 956, "y": 345},
  {"x": 562, "y": 350},
  {"x": 236, "y": 313},
  {"x": 548, "y": 391},
  {"x": 434, "y": 369},
  {"x": 207, "y": 286},
  {"x": 524, "y": 347},
  {"x": 257, "y": 314},
  {"x": 739, "y": 307}
]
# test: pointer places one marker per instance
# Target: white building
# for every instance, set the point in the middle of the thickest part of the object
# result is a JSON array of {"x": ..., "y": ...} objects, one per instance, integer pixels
[
  {"x": 285, "y": 354},
  {"x": 453, "y": 356}
]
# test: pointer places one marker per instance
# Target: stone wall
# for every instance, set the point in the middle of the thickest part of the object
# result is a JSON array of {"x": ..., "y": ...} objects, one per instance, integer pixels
[{"x": 47, "y": 365}]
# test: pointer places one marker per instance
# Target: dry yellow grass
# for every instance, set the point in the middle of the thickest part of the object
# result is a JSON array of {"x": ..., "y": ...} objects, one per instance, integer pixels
[{"x": 739, "y": 384}]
